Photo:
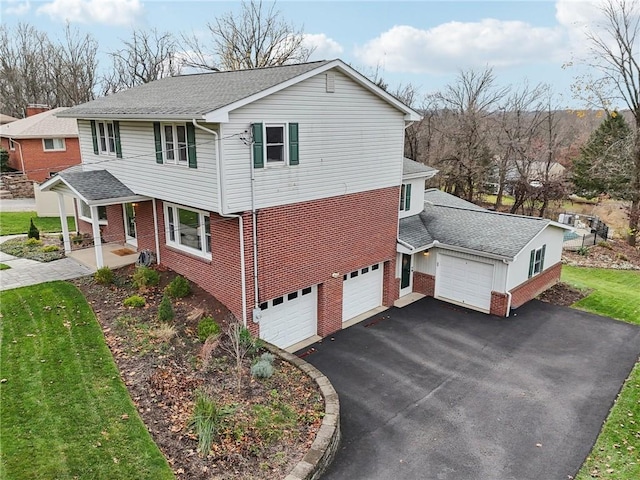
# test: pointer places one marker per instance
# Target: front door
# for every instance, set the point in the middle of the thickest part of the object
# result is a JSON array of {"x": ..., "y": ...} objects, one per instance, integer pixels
[
  {"x": 406, "y": 279},
  {"x": 130, "y": 224}
]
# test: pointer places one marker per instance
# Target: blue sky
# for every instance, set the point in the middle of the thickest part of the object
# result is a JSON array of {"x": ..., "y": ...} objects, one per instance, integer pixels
[{"x": 423, "y": 42}]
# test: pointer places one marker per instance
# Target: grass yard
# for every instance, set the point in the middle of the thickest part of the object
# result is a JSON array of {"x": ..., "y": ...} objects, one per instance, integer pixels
[
  {"x": 616, "y": 454},
  {"x": 65, "y": 413},
  {"x": 15, "y": 223}
]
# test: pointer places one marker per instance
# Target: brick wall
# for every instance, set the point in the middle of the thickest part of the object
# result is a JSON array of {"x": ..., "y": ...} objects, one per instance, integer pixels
[
  {"x": 535, "y": 285},
  {"x": 424, "y": 283},
  {"x": 499, "y": 304},
  {"x": 330, "y": 306},
  {"x": 37, "y": 163}
]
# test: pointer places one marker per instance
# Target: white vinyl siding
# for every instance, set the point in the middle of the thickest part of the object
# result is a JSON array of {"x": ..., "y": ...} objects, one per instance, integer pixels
[
  {"x": 552, "y": 238},
  {"x": 416, "y": 198},
  {"x": 196, "y": 187},
  {"x": 349, "y": 141}
]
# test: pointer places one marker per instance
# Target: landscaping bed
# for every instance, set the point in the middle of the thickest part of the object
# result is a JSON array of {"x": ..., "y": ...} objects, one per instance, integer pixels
[
  {"x": 262, "y": 429},
  {"x": 613, "y": 254}
]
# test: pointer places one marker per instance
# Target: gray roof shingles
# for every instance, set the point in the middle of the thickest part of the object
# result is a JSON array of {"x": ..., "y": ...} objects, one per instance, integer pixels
[
  {"x": 96, "y": 184},
  {"x": 477, "y": 229},
  {"x": 411, "y": 167},
  {"x": 443, "y": 199},
  {"x": 190, "y": 95}
]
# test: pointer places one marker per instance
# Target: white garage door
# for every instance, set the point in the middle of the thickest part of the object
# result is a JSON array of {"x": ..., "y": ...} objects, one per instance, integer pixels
[
  {"x": 291, "y": 318},
  {"x": 464, "y": 281},
  {"x": 361, "y": 291}
]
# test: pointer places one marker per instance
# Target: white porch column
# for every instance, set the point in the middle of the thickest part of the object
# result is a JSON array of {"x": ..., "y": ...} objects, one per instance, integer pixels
[
  {"x": 97, "y": 241},
  {"x": 63, "y": 222}
]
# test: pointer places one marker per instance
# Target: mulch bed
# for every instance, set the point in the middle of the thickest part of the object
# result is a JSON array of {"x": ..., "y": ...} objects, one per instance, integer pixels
[
  {"x": 563, "y": 295},
  {"x": 275, "y": 420}
]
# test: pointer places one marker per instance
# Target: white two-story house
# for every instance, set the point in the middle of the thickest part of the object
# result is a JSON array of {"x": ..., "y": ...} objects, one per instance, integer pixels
[{"x": 278, "y": 190}]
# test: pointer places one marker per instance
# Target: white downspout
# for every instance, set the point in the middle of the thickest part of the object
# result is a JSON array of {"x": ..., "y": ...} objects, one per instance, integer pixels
[
  {"x": 243, "y": 274},
  {"x": 21, "y": 157},
  {"x": 155, "y": 227}
]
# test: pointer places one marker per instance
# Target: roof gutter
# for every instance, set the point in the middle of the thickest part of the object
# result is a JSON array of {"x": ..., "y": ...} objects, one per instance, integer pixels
[{"x": 243, "y": 273}]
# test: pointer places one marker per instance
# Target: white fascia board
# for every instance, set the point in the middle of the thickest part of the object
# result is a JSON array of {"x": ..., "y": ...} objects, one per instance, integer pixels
[
  {"x": 117, "y": 200},
  {"x": 478, "y": 253},
  {"x": 221, "y": 115},
  {"x": 50, "y": 184},
  {"x": 426, "y": 175},
  {"x": 137, "y": 117}
]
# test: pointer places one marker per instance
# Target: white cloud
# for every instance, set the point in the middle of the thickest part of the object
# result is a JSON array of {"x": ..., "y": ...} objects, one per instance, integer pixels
[
  {"x": 325, "y": 48},
  {"x": 108, "y": 12},
  {"x": 454, "y": 45},
  {"x": 17, "y": 7}
]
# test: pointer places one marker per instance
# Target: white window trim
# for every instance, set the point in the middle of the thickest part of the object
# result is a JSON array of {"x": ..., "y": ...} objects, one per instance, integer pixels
[
  {"x": 537, "y": 262},
  {"x": 107, "y": 150},
  {"x": 81, "y": 216},
  {"x": 54, "y": 149},
  {"x": 201, "y": 230},
  {"x": 176, "y": 160},
  {"x": 403, "y": 198},
  {"x": 285, "y": 146},
  {"x": 12, "y": 145}
]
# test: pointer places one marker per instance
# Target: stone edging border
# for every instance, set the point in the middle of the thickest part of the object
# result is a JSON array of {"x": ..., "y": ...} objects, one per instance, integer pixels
[{"x": 325, "y": 445}]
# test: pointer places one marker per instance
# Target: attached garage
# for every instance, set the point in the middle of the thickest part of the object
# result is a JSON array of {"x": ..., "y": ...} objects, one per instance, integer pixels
[
  {"x": 464, "y": 281},
  {"x": 361, "y": 291},
  {"x": 291, "y": 318}
]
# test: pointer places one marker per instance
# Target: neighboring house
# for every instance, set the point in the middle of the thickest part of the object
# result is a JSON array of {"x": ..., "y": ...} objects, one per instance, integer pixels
[
  {"x": 458, "y": 252},
  {"x": 6, "y": 119},
  {"x": 41, "y": 144},
  {"x": 277, "y": 190}
]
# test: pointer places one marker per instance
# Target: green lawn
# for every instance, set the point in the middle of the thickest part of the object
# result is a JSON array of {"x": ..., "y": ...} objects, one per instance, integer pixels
[
  {"x": 14, "y": 223},
  {"x": 616, "y": 454},
  {"x": 65, "y": 412}
]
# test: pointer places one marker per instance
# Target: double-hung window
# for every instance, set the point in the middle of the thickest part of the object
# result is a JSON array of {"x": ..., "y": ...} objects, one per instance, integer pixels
[
  {"x": 536, "y": 261},
  {"x": 106, "y": 138},
  {"x": 12, "y": 144},
  {"x": 175, "y": 143},
  {"x": 405, "y": 197},
  {"x": 53, "y": 144},
  {"x": 188, "y": 229},
  {"x": 275, "y": 144}
]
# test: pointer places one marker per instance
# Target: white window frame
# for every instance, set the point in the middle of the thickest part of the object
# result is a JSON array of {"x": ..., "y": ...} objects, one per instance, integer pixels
[
  {"x": 12, "y": 145},
  {"x": 172, "y": 230},
  {"x": 404, "y": 205},
  {"x": 285, "y": 144},
  {"x": 61, "y": 147},
  {"x": 176, "y": 149},
  {"x": 82, "y": 213},
  {"x": 537, "y": 262},
  {"x": 106, "y": 139}
]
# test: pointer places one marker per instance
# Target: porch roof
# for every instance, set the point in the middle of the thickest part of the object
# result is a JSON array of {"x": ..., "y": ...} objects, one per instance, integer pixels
[{"x": 94, "y": 187}]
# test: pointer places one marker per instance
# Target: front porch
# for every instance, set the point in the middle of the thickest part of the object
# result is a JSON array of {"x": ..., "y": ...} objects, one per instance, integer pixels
[{"x": 114, "y": 255}]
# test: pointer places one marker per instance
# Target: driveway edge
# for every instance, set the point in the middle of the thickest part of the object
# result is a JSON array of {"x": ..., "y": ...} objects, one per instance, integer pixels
[{"x": 325, "y": 445}]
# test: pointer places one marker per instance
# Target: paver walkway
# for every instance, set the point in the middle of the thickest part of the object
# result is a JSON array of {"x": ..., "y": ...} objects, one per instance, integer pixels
[{"x": 25, "y": 272}]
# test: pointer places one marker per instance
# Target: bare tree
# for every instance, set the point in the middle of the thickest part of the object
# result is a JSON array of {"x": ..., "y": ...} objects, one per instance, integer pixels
[
  {"x": 257, "y": 37},
  {"x": 33, "y": 69},
  {"x": 614, "y": 60},
  {"x": 145, "y": 57},
  {"x": 465, "y": 113}
]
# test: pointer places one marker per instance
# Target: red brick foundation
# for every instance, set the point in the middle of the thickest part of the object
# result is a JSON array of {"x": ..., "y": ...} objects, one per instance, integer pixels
[
  {"x": 535, "y": 285},
  {"x": 330, "y": 306},
  {"x": 424, "y": 283},
  {"x": 38, "y": 163}
]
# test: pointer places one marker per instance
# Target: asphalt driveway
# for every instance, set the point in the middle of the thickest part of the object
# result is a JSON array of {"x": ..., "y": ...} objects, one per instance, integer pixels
[{"x": 431, "y": 391}]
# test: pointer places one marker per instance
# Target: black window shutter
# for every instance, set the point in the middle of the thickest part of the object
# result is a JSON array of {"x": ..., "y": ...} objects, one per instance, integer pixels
[
  {"x": 532, "y": 261},
  {"x": 258, "y": 150},
  {"x": 158, "y": 139},
  {"x": 294, "y": 158},
  {"x": 116, "y": 131},
  {"x": 94, "y": 136},
  {"x": 191, "y": 145}
]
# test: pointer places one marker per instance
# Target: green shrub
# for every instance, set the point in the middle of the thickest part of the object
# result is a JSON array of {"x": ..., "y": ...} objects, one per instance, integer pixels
[
  {"x": 33, "y": 242},
  {"x": 165, "y": 310},
  {"x": 4, "y": 266},
  {"x": 50, "y": 248},
  {"x": 207, "y": 327},
  {"x": 271, "y": 421},
  {"x": 145, "y": 277},
  {"x": 250, "y": 343},
  {"x": 134, "y": 301},
  {"x": 262, "y": 369},
  {"x": 33, "y": 231},
  {"x": 77, "y": 239},
  {"x": 103, "y": 276},
  {"x": 207, "y": 420},
  {"x": 584, "y": 251},
  {"x": 268, "y": 357},
  {"x": 605, "y": 244},
  {"x": 4, "y": 160},
  {"x": 178, "y": 288}
]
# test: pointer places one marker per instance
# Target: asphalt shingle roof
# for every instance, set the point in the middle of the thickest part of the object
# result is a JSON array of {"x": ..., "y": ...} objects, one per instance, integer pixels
[
  {"x": 95, "y": 184},
  {"x": 443, "y": 199},
  {"x": 499, "y": 234},
  {"x": 191, "y": 95},
  {"x": 411, "y": 167},
  {"x": 42, "y": 125}
]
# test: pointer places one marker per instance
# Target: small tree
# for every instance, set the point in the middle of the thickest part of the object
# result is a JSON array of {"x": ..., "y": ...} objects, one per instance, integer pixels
[
  {"x": 165, "y": 310},
  {"x": 33, "y": 231},
  {"x": 238, "y": 343}
]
